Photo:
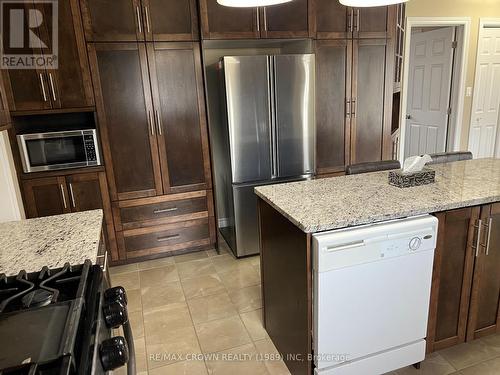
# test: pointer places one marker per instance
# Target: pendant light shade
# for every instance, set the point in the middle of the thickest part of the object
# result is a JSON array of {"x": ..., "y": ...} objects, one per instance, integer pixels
[
  {"x": 370, "y": 3},
  {"x": 251, "y": 3}
]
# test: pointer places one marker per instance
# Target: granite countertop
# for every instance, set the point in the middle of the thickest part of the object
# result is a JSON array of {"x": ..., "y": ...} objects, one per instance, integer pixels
[
  {"x": 339, "y": 202},
  {"x": 49, "y": 241}
]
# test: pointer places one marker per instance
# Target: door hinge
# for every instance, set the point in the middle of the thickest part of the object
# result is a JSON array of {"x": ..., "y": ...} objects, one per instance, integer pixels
[
  {"x": 449, "y": 111},
  {"x": 454, "y": 44}
]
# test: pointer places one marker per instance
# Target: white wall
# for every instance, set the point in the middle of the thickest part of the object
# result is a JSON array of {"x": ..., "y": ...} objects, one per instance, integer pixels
[{"x": 11, "y": 207}]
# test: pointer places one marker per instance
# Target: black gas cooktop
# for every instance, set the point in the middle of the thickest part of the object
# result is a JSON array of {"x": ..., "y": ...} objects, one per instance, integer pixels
[{"x": 59, "y": 321}]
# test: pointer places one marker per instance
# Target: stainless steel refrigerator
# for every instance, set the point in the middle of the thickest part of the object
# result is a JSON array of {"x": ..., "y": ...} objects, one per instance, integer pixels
[{"x": 269, "y": 130}]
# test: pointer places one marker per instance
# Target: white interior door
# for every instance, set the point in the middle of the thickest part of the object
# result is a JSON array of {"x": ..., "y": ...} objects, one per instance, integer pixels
[
  {"x": 486, "y": 101},
  {"x": 429, "y": 85}
]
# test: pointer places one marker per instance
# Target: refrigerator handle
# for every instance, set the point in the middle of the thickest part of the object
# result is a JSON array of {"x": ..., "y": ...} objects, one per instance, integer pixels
[{"x": 272, "y": 118}]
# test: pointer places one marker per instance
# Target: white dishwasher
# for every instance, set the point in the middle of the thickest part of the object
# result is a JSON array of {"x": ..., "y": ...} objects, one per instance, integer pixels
[{"x": 371, "y": 296}]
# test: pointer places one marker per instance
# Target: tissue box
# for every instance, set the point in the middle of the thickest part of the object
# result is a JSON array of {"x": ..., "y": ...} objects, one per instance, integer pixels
[{"x": 404, "y": 180}]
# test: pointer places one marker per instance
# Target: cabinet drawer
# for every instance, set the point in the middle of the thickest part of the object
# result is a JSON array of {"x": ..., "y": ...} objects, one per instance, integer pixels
[
  {"x": 165, "y": 238},
  {"x": 148, "y": 212}
]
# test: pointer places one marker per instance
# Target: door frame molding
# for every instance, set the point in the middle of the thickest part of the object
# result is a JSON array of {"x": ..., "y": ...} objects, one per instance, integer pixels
[
  {"x": 483, "y": 21},
  {"x": 414, "y": 22}
]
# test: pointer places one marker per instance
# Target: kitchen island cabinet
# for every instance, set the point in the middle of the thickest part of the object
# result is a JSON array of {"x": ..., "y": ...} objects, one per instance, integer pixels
[{"x": 290, "y": 214}]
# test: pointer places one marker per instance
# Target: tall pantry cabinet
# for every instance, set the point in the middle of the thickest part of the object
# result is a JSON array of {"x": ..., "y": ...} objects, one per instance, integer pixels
[
  {"x": 354, "y": 84},
  {"x": 150, "y": 103}
]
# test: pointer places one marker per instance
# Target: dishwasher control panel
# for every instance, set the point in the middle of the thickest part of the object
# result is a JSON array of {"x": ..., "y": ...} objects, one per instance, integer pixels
[{"x": 371, "y": 243}]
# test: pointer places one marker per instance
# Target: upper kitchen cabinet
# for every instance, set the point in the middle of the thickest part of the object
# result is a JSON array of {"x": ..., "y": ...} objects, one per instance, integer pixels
[
  {"x": 333, "y": 21},
  {"x": 125, "y": 114},
  {"x": 288, "y": 20},
  {"x": 136, "y": 20},
  {"x": 179, "y": 103},
  {"x": 68, "y": 86},
  {"x": 171, "y": 20},
  {"x": 333, "y": 91},
  {"x": 370, "y": 104},
  {"x": 484, "y": 312},
  {"x": 112, "y": 20},
  {"x": 221, "y": 22}
]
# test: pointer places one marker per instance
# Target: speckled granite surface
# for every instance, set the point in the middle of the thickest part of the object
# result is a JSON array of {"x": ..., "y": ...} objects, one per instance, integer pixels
[
  {"x": 339, "y": 202},
  {"x": 50, "y": 241}
]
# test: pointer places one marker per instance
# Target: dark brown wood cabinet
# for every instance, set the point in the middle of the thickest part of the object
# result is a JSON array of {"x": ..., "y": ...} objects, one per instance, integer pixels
[
  {"x": 125, "y": 114},
  {"x": 5, "y": 121},
  {"x": 136, "y": 20},
  {"x": 333, "y": 92},
  {"x": 154, "y": 142},
  {"x": 289, "y": 20},
  {"x": 484, "y": 313},
  {"x": 179, "y": 106},
  {"x": 353, "y": 102},
  {"x": 465, "y": 296},
  {"x": 68, "y": 86},
  {"x": 334, "y": 20},
  {"x": 47, "y": 196}
]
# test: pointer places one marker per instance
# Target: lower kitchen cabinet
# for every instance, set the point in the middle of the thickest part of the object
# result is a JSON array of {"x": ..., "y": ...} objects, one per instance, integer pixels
[
  {"x": 484, "y": 313},
  {"x": 154, "y": 226},
  {"x": 47, "y": 196},
  {"x": 466, "y": 279}
]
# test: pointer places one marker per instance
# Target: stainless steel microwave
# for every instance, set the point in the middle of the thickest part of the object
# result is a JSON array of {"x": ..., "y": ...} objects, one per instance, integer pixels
[{"x": 59, "y": 150}]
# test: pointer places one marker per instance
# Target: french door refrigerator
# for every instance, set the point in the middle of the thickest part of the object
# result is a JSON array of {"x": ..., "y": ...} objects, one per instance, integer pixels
[{"x": 268, "y": 106}]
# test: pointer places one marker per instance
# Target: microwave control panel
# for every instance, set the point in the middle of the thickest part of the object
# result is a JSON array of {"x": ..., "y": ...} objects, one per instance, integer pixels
[{"x": 90, "y": 148}]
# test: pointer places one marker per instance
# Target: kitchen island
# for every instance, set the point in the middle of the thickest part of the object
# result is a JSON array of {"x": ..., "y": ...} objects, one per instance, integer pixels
[
  {"x": 51, "y": 241},
  {"x": 466, "y": 276}
]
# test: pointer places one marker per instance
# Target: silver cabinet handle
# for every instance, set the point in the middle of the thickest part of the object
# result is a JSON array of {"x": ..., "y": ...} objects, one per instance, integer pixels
[
  {"x": 146, "y": 10},
  {"x": 151, "y": 123},
  {"x": 167, "y": 238},
  {"x": 490, "y": 223},
  {"x": 258, "y": 19},
  {"x": 357, "y": 20},
  {"x": 478, "y": 240},
  {"x": 158, "y": 121},
  {"x": 63, "y": 196},
  {"x": 348, "y": 108},
  {"x": 139, "y": 23},
  {"x": 265, "y": 19},
  {"x": 353, "y": 107},
  {"x": 163, "y": 210},
  {"x": 72, "y": 195},
  {"x": 350, "y": 25},
  {"x": 51, "y": 81},
  {"x": 105, "y": 256},
  {"x": 43, "y": 87}
]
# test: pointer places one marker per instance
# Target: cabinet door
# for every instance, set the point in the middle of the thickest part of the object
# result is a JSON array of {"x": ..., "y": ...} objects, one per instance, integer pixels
[
  {"x": 484, "y": 315},
  {"x": 452, "y": 278},
  {"x": 333, "y": 20},
  {"x": 221, "y": 22},
  {"x": 333, "y": 90},
  {"x": 370, "y": 22},
  {"x": 70, "y": 85},
  {"x": 170, "y": 20},
  {"x": 125, "y": 114},
  {"x": 288, "y": 20},
  {"x": 369, "y": 100},
  {"x": 112, "y": 20},
  {"x": 46, "y": 197},
  {"x": 180, "y": 115}
]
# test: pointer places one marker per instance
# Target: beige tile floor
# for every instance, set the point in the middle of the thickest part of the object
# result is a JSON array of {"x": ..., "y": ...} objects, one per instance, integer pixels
[{"x": 200, "y": 313}]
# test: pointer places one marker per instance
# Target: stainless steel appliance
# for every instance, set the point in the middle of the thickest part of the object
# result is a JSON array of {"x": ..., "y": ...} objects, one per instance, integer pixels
[
  {"x": 268, "y": 135},
  {"x": 59, "y": 150}
]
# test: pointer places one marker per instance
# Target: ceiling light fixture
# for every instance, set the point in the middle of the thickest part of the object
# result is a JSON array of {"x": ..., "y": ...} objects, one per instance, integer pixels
[
  {"x": 250, "y": 3},
  {"x": 370, "y": 3}
]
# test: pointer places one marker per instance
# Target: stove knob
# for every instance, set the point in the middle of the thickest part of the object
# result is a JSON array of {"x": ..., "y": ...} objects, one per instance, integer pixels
[
  {"x": 114, "y": 353},
  {"x": 115, "y": 314},
  {"x": 116, "y": 294}
]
